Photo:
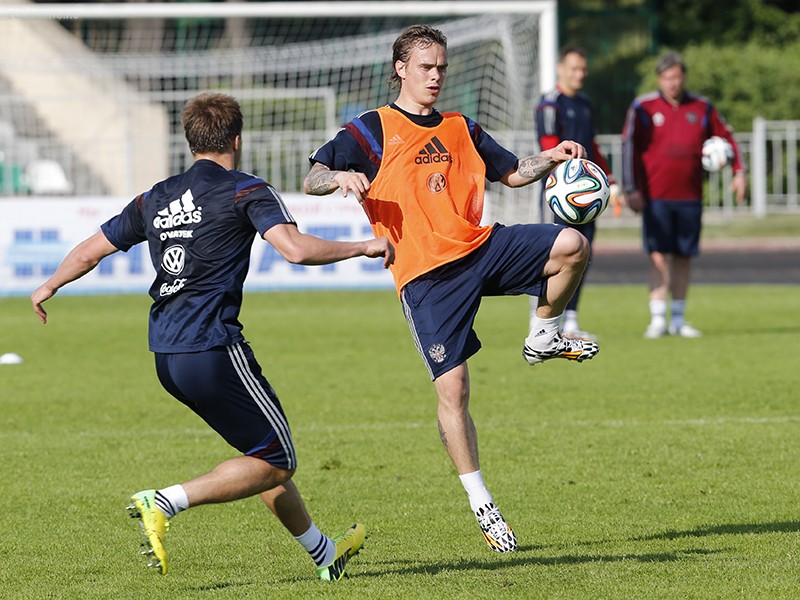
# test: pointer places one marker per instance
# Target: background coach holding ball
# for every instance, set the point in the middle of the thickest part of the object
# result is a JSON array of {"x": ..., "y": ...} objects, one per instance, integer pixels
[{"x": 663, "y": 178}]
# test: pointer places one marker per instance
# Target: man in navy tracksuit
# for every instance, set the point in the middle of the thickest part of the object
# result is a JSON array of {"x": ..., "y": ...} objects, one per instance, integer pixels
[{"x": 566, "y": 113}]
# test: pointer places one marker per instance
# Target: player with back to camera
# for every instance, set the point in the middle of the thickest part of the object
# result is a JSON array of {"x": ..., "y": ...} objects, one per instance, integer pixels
[
  {"x": 566, "y": 113},
  {"x": 420, "y": 176},
  {"x": 200, "y": 226},
  {"x": 663, "y": 177}
]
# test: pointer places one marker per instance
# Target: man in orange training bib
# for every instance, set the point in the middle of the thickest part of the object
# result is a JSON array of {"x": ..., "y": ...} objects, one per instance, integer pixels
[{"x": 420, "y": 176}]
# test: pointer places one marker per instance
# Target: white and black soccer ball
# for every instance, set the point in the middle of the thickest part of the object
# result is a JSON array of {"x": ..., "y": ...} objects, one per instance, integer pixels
[
  {"x": 577, "y": 191},
  {"x": 717, "y": 153}
]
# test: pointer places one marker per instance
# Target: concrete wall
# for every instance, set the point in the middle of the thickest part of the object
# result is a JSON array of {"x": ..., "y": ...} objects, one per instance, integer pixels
[{"x": 120, "y": 134}]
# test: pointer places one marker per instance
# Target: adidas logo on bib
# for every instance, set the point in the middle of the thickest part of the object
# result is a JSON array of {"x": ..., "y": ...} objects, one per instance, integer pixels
[{"x": 433, "y": 152}]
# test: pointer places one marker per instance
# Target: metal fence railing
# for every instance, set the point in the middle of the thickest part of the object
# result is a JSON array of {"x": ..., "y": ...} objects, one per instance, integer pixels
[{"x": 770, "y": 152}]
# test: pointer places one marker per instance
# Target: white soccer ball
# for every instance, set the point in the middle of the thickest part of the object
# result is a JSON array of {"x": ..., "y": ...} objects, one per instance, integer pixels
[
  {"x": 717, "y": 153},
  {"x": 577, "y": 191}
]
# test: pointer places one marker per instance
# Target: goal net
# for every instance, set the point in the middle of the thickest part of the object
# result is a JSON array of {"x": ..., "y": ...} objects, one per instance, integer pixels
[{"x": 100, "y": 93}]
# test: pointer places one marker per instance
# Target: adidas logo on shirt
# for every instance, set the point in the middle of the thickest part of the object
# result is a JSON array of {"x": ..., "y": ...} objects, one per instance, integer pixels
[
  {"x": 179, "y": 212},
  {"x": 396, "y": 139},
  {"x": 433, "y": 152}
]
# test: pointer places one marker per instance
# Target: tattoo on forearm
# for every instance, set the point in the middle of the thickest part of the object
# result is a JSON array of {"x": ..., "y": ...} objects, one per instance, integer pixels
[
  {"x": 535, "y": 167},
  {"x": 320, "y": 181}
]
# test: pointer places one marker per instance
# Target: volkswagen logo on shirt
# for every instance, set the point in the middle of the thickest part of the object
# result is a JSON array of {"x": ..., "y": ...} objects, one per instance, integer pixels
[{"x": 173, "y": 259}]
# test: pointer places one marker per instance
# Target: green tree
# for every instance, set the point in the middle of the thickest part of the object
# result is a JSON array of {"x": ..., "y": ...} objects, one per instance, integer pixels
[
  {"x": 744, "y": 55},
  {"x": 685, "y": 22}
]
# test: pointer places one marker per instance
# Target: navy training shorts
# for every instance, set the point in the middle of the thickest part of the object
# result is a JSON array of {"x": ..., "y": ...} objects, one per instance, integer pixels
[
  {"x": 672, "y": 226},
  {"x": 225, "y": 387},
  {"x": 441, "y": 306}
]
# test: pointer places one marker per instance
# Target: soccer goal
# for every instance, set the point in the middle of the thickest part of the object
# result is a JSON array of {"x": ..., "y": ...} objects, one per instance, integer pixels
[{"x": 99, "y": 87}]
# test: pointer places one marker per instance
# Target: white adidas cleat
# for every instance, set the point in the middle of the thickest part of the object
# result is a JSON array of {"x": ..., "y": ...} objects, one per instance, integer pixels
[
  {"x": 576, "y": 349},
  {"x": 686, "y": 331},
  {"x": 496, "y": 532}
]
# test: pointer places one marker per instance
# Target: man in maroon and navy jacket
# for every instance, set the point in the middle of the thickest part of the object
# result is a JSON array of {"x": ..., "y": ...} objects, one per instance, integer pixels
[{"x": 663, "y": 176}]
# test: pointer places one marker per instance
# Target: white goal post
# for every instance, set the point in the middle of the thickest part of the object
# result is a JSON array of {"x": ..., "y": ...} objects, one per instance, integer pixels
[{"x": 98, "y": 86}]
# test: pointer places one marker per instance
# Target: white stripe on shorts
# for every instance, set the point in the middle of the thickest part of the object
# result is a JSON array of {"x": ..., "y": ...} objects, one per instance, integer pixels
[
  {"x": 410, "y": 321},
  {"x": 264, "y": 402}
]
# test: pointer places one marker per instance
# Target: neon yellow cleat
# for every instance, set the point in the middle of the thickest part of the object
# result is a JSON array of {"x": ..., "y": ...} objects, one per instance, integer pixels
[
  {"x": 348, "y": 544},
  {"x": 154, "y": 527}
]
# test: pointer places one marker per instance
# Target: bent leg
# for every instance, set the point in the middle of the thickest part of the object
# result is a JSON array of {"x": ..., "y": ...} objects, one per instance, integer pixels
[
  {"x": 285, "y": 503},
  {"x": 234, "y": 479},
  {"x": 564, "y": 269}
]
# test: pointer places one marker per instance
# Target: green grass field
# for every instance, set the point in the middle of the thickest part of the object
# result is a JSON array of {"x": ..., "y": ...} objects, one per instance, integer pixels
[{"x": 661, "y": 469}]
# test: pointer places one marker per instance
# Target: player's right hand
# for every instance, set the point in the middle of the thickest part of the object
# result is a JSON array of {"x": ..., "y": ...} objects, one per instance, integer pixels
[
  {"x": 350, "y": 181},
  {"x": 39, "y": 295},
  {"x": 635, "y": 201},
  {"x": 381, "y": 247}
]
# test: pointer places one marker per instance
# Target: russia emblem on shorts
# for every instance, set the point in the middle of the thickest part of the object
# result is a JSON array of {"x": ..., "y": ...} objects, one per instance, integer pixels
[{"x": 437, "y": 353}]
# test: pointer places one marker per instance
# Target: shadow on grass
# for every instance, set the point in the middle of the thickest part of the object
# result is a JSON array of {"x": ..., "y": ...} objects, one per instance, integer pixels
[
  {"x": 730, "y": 529},
  {"x": 519, "y": 559},
  {"x": 210, "y": 587}
]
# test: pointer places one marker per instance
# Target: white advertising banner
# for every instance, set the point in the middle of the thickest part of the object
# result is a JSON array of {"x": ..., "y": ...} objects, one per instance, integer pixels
[{"x": 36, "y": 234}]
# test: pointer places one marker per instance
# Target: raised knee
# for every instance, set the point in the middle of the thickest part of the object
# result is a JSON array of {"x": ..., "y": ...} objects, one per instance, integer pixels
[{"x": 573, "y": 245}]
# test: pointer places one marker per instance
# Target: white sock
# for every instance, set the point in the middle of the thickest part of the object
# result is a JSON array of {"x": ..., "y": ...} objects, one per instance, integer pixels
[
  {"x": 570, "y": 321},
  {"x": 318, "y": 545},
  {"x": 172, "y": 500},
  {"x": 677, "y": 311},
  {"x": 658, "y": 312},
  {"x": 543, "y": 333},
  {"x": 476, "y": 490},
  {"x": 533, "y": 302}
]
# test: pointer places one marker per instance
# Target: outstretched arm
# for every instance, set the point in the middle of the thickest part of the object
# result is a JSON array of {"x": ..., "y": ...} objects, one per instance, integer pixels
[
  {"x": 80, "y": 260},
  {"x": 321, "y": 181},
  {"x": 304, "y": 249},
  {"x": 533, "y": 168}
]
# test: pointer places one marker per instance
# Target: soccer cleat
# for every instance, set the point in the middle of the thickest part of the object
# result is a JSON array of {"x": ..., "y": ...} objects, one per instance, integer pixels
[
  {"x": 154, "y": 525},
  {"x": 496, "y": 532},
  {"x": 563, "y": 347},
  {"x": 348, "y": 545},
  {"x": 685, "y": 330},
  {"x": 655, "y": 330},
  {"x": 578, "y": 334}
]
